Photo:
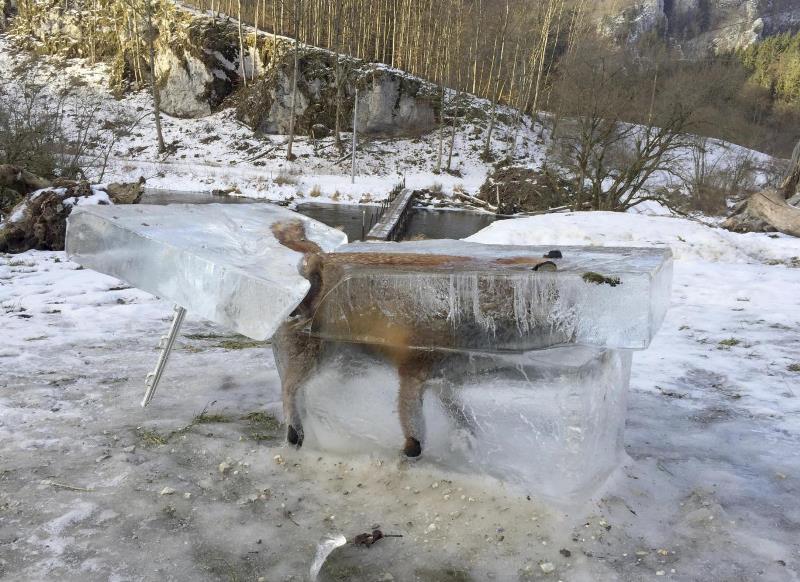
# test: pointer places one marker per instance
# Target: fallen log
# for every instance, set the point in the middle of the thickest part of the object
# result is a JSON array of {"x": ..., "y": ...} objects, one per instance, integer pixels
[
  {"x": 476, "y": 201},
  {"x": 769, "y": 210},
  {"x": 20, "y": 179},
  {"x": 770, "y": 206}
]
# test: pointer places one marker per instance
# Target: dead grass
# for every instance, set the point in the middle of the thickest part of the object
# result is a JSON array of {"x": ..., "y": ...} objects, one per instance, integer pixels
[
  {"x": 203, "y": 336},
  {"x": 285, "y": 179},
  {"x": 152, "y": 438},
  {"x": 206, "y": 418},
  {"x": 730, "y": 342},
  {"x": 263, "y": 426},
  {"x": 262, "y": 420},
  {"x": 240, "y": 344}
]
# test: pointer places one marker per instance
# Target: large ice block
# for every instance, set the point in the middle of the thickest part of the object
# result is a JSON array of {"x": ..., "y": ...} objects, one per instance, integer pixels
[
  {"x": 493, "y": 301},
  {"x": 219, "y": 261},
  {"x": 550, "y": 421}
]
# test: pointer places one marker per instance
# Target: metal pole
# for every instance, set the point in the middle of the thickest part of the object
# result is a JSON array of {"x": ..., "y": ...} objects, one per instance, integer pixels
[
  {"x": 353, "y": 154},
  {"x": 363, "y": 228},
  {"x": 166, "y": 343}
]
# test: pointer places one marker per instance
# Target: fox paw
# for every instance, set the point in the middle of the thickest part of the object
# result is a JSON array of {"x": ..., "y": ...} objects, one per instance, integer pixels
[
  {"x": 294, "y": 436},
  {"x": 412, "y": 448}
]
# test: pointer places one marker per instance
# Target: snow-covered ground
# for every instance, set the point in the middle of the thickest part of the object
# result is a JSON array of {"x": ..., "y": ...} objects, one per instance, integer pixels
[{"x": 92, "y": 487}]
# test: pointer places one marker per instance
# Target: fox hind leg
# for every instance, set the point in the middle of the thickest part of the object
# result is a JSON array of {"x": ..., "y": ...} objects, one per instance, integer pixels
[{"x": 413, "y": 372}]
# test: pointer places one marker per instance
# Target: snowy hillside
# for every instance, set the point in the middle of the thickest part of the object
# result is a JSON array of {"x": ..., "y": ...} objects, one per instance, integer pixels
[{"x": 219, "y": 153}]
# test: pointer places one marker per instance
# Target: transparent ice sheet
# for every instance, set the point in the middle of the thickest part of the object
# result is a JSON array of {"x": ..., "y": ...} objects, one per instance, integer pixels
[
  {"x": 487, "y": 304},
  {"x": 219, "y": 261},
  {"x": 550, "y": 421}
]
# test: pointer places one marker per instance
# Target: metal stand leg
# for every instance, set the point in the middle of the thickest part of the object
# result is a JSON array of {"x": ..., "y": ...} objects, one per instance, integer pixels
[{"x": 166, "y": 343}]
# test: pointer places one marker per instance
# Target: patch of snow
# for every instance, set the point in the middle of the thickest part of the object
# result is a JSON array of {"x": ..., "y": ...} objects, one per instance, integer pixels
[
  {"x": 96, "y": 197},
  {"x": 688, "y": 239}
]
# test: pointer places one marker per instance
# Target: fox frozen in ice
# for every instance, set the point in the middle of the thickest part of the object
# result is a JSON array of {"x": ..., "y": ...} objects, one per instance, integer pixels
[{"x": 297, "y": 352}]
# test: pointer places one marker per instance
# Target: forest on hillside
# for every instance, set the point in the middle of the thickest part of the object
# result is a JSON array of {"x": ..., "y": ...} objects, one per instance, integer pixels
[{"x": 527, "y": 54}]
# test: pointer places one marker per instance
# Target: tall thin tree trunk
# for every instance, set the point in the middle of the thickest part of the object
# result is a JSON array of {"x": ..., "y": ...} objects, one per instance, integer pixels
[
  {"x": 242, "y": 71},
  {"x": 293, "y": 107},
  {"x": 453, "y": 133},
  {"x": 153, "y": 85},
  {"x": 255, "y": 41},
  {"x": 438, "y": 169},
  {"x": 338, "y": 71}
]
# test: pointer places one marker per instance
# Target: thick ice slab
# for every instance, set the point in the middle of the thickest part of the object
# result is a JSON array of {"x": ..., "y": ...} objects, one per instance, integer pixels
[
  {"x": 550, "y": 421},
  {"x": 608, "y": 297},
  {"x": 219, "y": 261}
]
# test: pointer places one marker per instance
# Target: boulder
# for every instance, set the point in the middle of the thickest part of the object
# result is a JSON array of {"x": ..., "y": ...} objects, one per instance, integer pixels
[
  {"x": 130, "y": 193},
  {"x": 320, "y": 130},
  {"x": 393, "y": 104},
  {"x": 197, "y": 67},
  {"x": 39, "y": 221},
  {"x": 266, "y": 104},
  {"x": 390, "y": 103}
]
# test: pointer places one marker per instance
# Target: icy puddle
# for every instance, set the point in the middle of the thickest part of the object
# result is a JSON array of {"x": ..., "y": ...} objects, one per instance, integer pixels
[{"x": 200, "y": 487}]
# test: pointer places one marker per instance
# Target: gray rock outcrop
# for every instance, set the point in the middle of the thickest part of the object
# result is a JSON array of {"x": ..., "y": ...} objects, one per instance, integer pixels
[
  {"x": 393, "y": 104},
  {"x": 390, "y": 103},
  {"x": 198, "y": 68},
  {"x": 699, "y": 26}
]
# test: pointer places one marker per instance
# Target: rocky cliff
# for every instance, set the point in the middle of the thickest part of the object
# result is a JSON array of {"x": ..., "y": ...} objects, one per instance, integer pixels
[
  {"x": 199, "y": 68},
  {"x": 7, "y": 9},
  {"x": 699, "y": 26}
]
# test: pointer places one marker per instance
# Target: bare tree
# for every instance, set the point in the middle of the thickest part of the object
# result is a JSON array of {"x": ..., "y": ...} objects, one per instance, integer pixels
[
  {"x": 297, "y": 14},
  {"x": 151, "y": 52},
  {"x": 242, "y": 59},
  {"x": 609, "y": 159}
]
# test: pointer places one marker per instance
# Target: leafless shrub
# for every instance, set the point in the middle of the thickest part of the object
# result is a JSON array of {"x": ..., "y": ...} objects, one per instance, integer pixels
[
  {"x": 57, "y": 133},
  {"x": 715, "y": 177}
]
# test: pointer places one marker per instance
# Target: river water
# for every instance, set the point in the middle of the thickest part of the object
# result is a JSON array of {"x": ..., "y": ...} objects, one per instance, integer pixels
[{"x": 353, "y": 219}]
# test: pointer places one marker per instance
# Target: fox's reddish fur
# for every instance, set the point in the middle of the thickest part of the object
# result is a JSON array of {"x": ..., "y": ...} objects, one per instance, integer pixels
[{"x": 297, "y": 353}]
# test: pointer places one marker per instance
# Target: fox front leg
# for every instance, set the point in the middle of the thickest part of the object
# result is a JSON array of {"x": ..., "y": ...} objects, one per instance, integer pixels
[{"x": 296, "y": 355}]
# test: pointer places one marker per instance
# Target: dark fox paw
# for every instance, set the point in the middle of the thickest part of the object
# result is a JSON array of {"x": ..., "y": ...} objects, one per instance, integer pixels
[
  {"x": 412, "y": 448},
  {"x": 294, "y": 436}
]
